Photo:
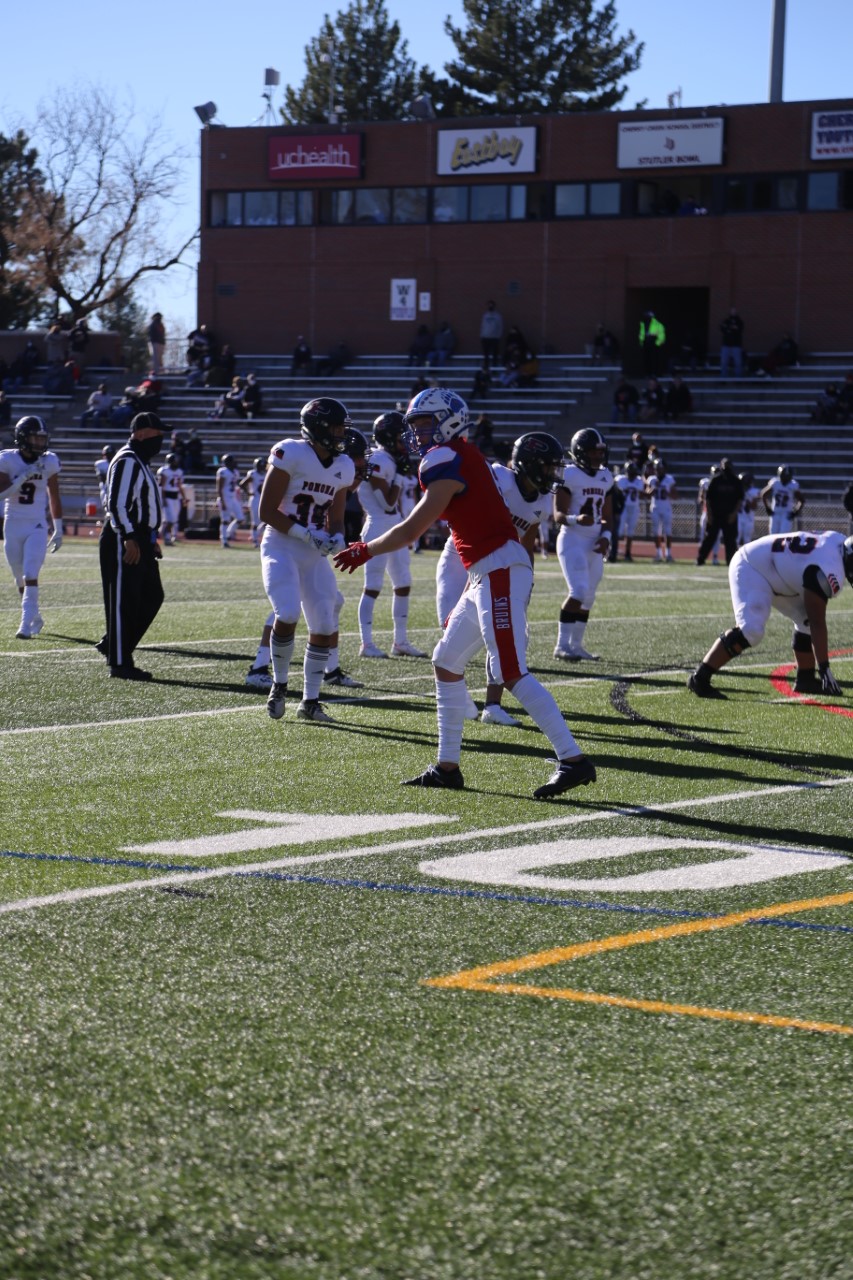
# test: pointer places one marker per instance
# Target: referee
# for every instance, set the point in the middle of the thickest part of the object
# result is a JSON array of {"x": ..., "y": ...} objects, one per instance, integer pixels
[{"x": 129, "y": 553}]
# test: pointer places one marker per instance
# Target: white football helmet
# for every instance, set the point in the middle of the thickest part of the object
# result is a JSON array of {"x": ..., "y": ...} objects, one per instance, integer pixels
[{"x": 448, "y": 413}]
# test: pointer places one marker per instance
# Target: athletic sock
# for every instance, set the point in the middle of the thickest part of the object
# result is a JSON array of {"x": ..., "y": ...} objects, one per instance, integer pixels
[
  {"x": 451, "y": 699},
  {"x": 400, "y": 616},
  {"x": 334, "y": 659},
  {"x": 262, "y": 657},
  {"x": 313, "y": 667},
  {"x": 366, "y": 605},
  {"x": 281, "y": 652},
  {"x": 541, "y": 707}
]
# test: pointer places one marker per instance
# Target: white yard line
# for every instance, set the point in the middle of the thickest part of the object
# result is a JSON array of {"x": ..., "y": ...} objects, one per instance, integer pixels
[{"x": 419, "y": 843}]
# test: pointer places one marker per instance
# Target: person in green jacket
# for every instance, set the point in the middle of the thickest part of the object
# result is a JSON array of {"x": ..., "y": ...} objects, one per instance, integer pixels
[{"x": 652, "y": 339}]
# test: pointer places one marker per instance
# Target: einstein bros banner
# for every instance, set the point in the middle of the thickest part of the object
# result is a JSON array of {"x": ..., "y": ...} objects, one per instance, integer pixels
[{"x": 496, "y": 149}]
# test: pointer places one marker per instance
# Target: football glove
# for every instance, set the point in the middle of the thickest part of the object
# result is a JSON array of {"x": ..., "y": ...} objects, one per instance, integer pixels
[
  {"x": 337, "y": 542},
  {"x": 828, "y": 682},
  {"x": 34, "y": 469},
  {"x": 311, "y": 537},
  {"x": 352, "y": 556},
  {"x": 56, "y": 538}
]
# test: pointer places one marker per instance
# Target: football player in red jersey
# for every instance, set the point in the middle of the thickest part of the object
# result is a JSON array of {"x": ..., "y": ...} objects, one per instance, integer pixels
[{"x": 459, "y": 486}]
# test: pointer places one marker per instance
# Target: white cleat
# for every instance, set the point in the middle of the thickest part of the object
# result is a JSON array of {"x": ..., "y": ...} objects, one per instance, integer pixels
[
  {"x": 406, "y": 650},
  {"x": 310, "y": 709},
  {"x": 565, "y": 655},
  {"x": 493, "y": 713},
  {"x": 582, "y": 655},
  {"x": 472, "y": 711},
  {"x": 371, "y": 651},
  {"x": 341, "y": 680},
  {"x": 259, "y": 678}
]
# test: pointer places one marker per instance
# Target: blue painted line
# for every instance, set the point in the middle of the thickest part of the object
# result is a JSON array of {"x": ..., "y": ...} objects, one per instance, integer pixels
[{"x": 439, "y": 891}]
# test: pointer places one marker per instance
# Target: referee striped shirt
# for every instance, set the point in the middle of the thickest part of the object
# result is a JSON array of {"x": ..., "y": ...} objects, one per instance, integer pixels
[{"x": 133, "y": 496}]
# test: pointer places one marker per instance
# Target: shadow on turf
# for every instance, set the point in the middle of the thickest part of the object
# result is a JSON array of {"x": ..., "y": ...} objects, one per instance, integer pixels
[{"x": 742, "y": 831}]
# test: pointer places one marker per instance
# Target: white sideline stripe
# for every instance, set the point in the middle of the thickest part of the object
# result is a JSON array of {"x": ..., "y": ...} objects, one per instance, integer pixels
[{"x": 397, "y": 846}]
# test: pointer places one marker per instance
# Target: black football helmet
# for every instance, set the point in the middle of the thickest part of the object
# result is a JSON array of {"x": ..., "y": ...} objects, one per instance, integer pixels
[
  {"x": 746, "y": 479},
  {"x": 391, "y": 432},
  {"x": 228, "y": 461},
  {"x": 260, "y": 464},
  {"x": 108, "y": 452},
  {"x": 588, "y": 450},
  {"x": 847, "y": 557},
  {"x": 538, "y": 459},
  {"x": 785, "y": 474},
  {"x": 31, "y": 437},
  {"x": 171, "y": 460},
  {"x": 357, "y": 448},
  {"x": 319, "y": 418},
  {"x": 631, "y": 471},
  {"x": 660, "y": 468}
]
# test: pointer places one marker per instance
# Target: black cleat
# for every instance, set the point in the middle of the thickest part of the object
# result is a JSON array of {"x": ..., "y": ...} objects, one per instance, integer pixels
[
  {"x": 275, "y": 702},
  {"x": 435, "y": 777},
  {"x": 570, "y": 774},
  {"x": 103, "y": 647},
  {"x": 703, "y": 688},
  {"x": 127, "y": 672}
]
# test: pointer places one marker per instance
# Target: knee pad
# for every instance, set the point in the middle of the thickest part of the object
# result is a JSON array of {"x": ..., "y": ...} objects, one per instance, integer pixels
[
  {"x": 734, "y": 642},
  {"x": 801, "y": 642}
]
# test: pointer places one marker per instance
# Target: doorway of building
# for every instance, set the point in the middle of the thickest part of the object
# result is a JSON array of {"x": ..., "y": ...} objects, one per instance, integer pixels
[{"x": 684, "y": 315}]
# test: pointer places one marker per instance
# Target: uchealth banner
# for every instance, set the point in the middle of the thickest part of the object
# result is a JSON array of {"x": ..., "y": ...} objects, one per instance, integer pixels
[
  {"x": 404, "y": 299},
  {"x": 315, "y": 155},
  {"x": 832, "y": 135},
  {"x": 496, "y": 149},
  {"x": 670, "y": 144}
]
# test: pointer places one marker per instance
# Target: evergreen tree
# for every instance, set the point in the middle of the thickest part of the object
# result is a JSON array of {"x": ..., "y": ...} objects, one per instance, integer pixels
[
  {"x": 535, "y": 56},
  {"x": 357, "y": 68},
  {"x": 21, "y": 300}
]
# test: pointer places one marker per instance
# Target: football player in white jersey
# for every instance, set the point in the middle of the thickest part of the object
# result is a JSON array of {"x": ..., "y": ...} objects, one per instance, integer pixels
[
  {"x": 250, "y": 487},
  {"x": 28, "y": 486},
  {"x": 633, "y": 489},
  {"x": 797, "y": 574},
  {"x": 380, "y": 498},
  {"x": 302, "y": 505},
  {"x": 746, "y": 515},
  {"x": 526, "y": 484},
  {"x": 228, "y": 501},
  {"x": 170, "y": 477},
  {"x": 661, "y": 489},
  {"x": 701, "y": 503},
  {"x": 782, "y": 499},
  {"x": 102, "y": 466},
  {"x": 583, "y": 512}
]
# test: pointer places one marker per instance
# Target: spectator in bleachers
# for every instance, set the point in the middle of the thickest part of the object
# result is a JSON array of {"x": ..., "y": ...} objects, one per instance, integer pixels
[
  {"x": 99, "y": 406},
  {"x": 302, "y": 360},
  {"x": 521, "y": 365},
  {"x": 784, "y": 355},
  {"x": 147, "y": 396},
  {"x": 652, "y": 338},
  {"x": 689, "y": 353},
  {"x": 253, "y": 397},
  {"x": 678, "y": 401},
  {"x": 483, "y": 434},
  {"x": 23, "y": 367},
  {"x": 194, "y": 452},
  {"x": 651, "y": 402},
  {"x": 828, "y": 412},
  {"x": 338, "y": 358},
  {"x": 444, "y": 345},
  {"x": 220, "y": 371},
  {"x": 122, "y": 414},
  {"x": 200, "y": 348},
  {"x": 421, "y": 346},
  {"x": 481, "y": 384},
  {"x": 845, "y": 399},
  {"x": 626, "y": 401},
  {"x": 847, "y": 501},
  {"x": 55, "y": 345},
  {"x": 605, "y": 348},
  {"x": 177, "y": 446},
  {"x": 637, "y": 451},
  {"x": 156, "y": 335},
  {"x": 5, "y": 410},
  {"x": 420, "y": 384},
  {"x": 78, "y": 341},
  {"x": 731, "y": 344},
  {"x": 59, "y": 379},
  {"x": 491, "y": 332}
]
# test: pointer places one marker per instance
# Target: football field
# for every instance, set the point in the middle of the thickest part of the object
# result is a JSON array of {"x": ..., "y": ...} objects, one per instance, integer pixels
[{"x": 266, "y": 1013}]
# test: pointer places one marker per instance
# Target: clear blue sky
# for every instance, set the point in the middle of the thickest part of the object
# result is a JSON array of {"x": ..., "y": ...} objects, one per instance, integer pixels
[{"x": 170, "y": 57}]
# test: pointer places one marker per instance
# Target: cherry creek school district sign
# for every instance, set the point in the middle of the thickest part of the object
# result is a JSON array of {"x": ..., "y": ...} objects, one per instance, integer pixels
[{"x": 670, "y": 144}]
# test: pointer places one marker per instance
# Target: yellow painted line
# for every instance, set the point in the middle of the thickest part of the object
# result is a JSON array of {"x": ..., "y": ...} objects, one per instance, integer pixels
[{"x": 481, "y": 978}]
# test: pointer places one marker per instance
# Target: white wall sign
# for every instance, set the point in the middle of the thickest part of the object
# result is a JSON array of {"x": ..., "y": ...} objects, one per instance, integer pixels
[
  {"x": 832, "y": 135},
  {"x": 670, "y": 144},
  {"x": 500, "y": 149},
  {"x": 424, "y": 302},
  {"x": 403, "y": 299}
]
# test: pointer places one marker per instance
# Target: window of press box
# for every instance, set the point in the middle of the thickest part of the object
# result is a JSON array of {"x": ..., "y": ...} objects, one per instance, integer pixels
[
  {"x": 605, "y": 199},
  {"x": 260, "y": 208},
  {"x": 410, "y": 204},
  {"x": 673, "y": 197},
  {"x": 530, "y": 202},
  {"x": 296, "y": 208},
  {"x": 337, "y": 208},
  {"x": 570, "y": 199},
  {"x": 226, "y": 209},
  {"x": 450, "y": 204},
  {"x": 489, "y": 204},
  {"x": 373, "y": 207},
  {"x": 823, "y": 191}
]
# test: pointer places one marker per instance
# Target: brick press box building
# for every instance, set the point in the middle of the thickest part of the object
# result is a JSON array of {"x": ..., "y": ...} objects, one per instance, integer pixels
[{"x": 357, "y": 233}]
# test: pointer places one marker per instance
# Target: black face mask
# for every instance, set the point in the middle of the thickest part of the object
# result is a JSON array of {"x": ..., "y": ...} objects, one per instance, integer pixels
[{"x": 148, "y": 449}]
